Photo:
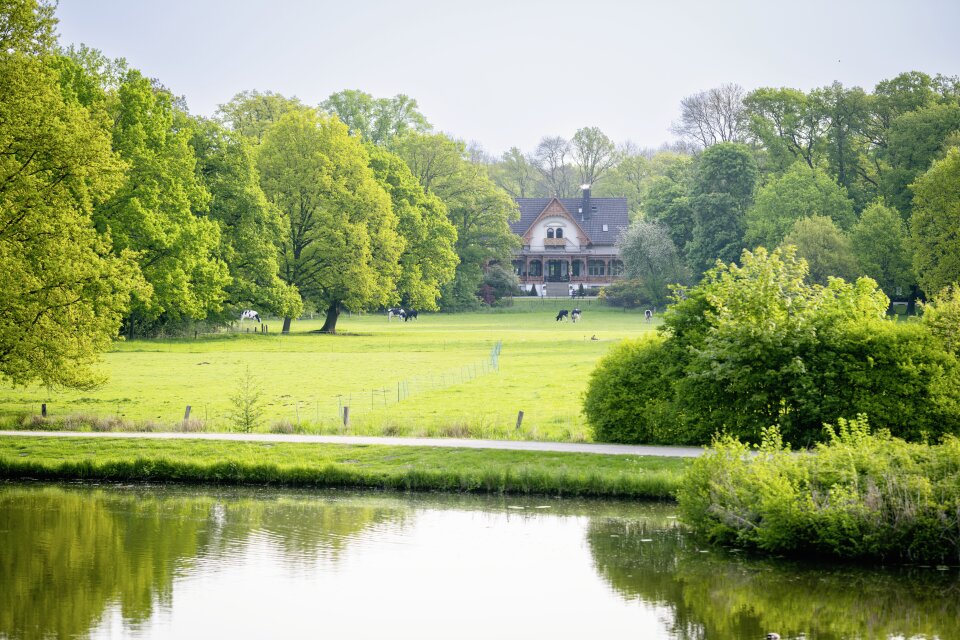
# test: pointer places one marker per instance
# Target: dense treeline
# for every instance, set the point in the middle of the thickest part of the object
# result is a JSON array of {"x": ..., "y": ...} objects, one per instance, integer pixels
[
  {"x": 852, "y": 178},
  {"x": 121, "y": 211}
]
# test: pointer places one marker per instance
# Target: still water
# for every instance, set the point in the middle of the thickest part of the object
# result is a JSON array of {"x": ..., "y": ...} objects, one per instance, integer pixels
[{"x": 80, "y": 561}]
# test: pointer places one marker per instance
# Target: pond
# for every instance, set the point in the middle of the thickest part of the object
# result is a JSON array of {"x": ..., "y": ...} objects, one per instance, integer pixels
[{"x": 110, "y": 561}]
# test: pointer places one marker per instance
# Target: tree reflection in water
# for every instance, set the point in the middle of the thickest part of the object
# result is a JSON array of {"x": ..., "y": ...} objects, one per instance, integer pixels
[
  {"x": 67, "y": 554},
  {"x": 722, "y": 595}
]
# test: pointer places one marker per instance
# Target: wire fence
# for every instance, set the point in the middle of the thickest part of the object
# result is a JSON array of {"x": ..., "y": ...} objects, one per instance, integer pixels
[
  {"x": 381, "y": 397},
  {"x": 320, "y": 409}
]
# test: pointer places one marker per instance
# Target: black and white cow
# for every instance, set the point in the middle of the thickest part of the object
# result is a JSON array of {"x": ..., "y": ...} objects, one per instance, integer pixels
[
  {"x": 249, "y": 314},
  {"x": 563, "y": 314},
  {"x": 396, "y": 312},
  {"x": 411, "y": 314},
  {"x": 575, "y": 315},
  {"x": 648, "y": 314}
]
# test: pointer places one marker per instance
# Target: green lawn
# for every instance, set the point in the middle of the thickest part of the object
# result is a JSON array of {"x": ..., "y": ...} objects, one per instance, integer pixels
[
  {"x": 323, "y": 465},
  {"x": 438, "y": 367}
]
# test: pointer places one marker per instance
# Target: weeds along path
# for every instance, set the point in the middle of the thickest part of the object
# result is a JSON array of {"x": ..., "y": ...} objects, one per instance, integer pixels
[{"x": 513, "y": 445}]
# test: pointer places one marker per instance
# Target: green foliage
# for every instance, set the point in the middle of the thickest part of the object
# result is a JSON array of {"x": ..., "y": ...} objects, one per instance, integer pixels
[
  {"x": 157, "y": 211},
  {"x": 723, "y": 182},
  {"x": 650, "y": 257},
  {"x": 787, "y": 124},
  {"x": 502, "y": 281},
  {"x": 858, "y": 496},
  {"x": 628, "y": 293},
  {"x": 799, "y": 193},
  {"x": 64, "y": 288},
  {"x": 247, "y": 402},
  {"x": 825, "y": 247},
  {"x": 342, "y": 247},
  {"x": 756, "y": 345},
  {"x": 251, "y": 113},
  {"x": 478, "y": 209},
  {"x": 251, "y": 230},
  {"x": 882, "y": 248},
  {"x": 378, "y": 120},
  {"x": 428, "y": 260},
  {"x": 27, "y": 27},
  {"x": 935, "y": 225},
  {"x": 628, "y": 398},
  {"x": 916, "y": 139},
  {"x": 941, "y": 314}
]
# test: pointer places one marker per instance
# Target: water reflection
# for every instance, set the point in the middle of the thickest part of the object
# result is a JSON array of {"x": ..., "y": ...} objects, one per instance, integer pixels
[
  {"x": 714, "y": 594},
  {"x": 160, "y": 562}
]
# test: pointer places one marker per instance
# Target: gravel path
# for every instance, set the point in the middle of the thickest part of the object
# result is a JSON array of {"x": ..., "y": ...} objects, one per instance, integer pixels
[{"x": 516, "y": 445}]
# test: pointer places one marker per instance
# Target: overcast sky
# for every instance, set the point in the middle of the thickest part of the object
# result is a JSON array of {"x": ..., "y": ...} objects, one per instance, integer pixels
[{"x": 507, "y": 72}]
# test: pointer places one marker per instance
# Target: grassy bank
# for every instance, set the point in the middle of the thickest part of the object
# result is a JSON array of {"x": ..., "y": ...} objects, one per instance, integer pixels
[
  {"x": 429, "y": 377},
  {"x": 321, "y": 465}
]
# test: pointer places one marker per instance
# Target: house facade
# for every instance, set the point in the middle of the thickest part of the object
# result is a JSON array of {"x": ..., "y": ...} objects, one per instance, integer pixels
[{"x": 568, "y": 242}]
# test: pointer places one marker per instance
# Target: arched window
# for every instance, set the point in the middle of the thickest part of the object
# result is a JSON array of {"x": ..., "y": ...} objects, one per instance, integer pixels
[
  {"x": 559, "y": 233},
  {"x": 550, "y": 233}
]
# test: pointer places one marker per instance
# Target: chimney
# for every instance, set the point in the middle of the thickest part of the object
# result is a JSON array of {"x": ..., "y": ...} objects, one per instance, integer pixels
[{"x": 585, "y": 204}]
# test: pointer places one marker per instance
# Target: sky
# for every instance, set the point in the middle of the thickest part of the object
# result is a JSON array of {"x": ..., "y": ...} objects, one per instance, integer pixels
[{"x": 507, "y": 73}]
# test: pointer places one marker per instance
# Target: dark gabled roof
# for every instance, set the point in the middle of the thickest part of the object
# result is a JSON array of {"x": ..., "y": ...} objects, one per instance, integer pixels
[{"x": 609, "y": 211}]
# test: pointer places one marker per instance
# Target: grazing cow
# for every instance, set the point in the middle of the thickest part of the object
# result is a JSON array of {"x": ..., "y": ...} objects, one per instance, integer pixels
[
  {"x": 562, "y": 315},
  {"x": 648, "y": 314},
  {"x": 249, "y": 314},
  {"x": 411, "y": 314},
  {"x": 575, "y": 315},
  {"x": 396, "y": 312}
]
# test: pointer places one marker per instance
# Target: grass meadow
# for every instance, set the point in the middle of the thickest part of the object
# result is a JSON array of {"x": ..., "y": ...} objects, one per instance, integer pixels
[{"x": 429, "y": 377}]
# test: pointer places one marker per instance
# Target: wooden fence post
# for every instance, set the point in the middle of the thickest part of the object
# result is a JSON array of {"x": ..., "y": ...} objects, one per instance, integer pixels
[
  {"x": 186, "y": 414},
  {"x": 43, "y": 410},
  {"x": 346, "y": 416},
  {"x": 519, "y": 419}
]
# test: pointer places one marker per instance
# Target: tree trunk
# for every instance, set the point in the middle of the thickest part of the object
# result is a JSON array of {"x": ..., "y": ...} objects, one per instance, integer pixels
[
  {"x": 330, "y": 324},
  {"x": 286, "y": 325}
]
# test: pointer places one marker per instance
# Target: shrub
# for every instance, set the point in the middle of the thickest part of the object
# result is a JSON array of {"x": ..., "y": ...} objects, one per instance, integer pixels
[
  {"x": 626, "y": 293},
  {"x": 629, "y": 395},
  {"x": 756, "y": 345},
  {"x": 897, "y": 373}
]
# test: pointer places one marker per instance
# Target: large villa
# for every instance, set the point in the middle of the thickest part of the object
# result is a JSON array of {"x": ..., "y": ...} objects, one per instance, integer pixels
[{"x": 568, "y": 242}]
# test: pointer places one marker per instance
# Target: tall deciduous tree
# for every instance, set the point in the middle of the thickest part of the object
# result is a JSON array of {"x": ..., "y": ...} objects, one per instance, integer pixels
[
  {"x": 593, "y": 153},
  {"x": 713, "y": 116},
  {"x": 723, "y": 182},
  {"x": 378, "y": 120},
  {"x": 551, "y": 158},
  {"x": 845, "y": 113},
  {"x": 516, "y": 175},
  {"x": 64, "y": 290},
  {"x": 429, "y": 259},
  {"x": 342, "y": 250},
  {"x": 825, "y": 247},
  {"x": 251, "y": 230},
  {"x": 881, "y": 245},
  {"x": 915, "y": 140},
  {"x": 935, "y": 225},
  {"x": 478, "y": 209},
  {"x": 799, "y": 193},
  {"x": 788, "y": 126},
  {"x": 650, "y": 256},
  {"x": 158, "y": 212},
  {"x": 251, "y": 113}
]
